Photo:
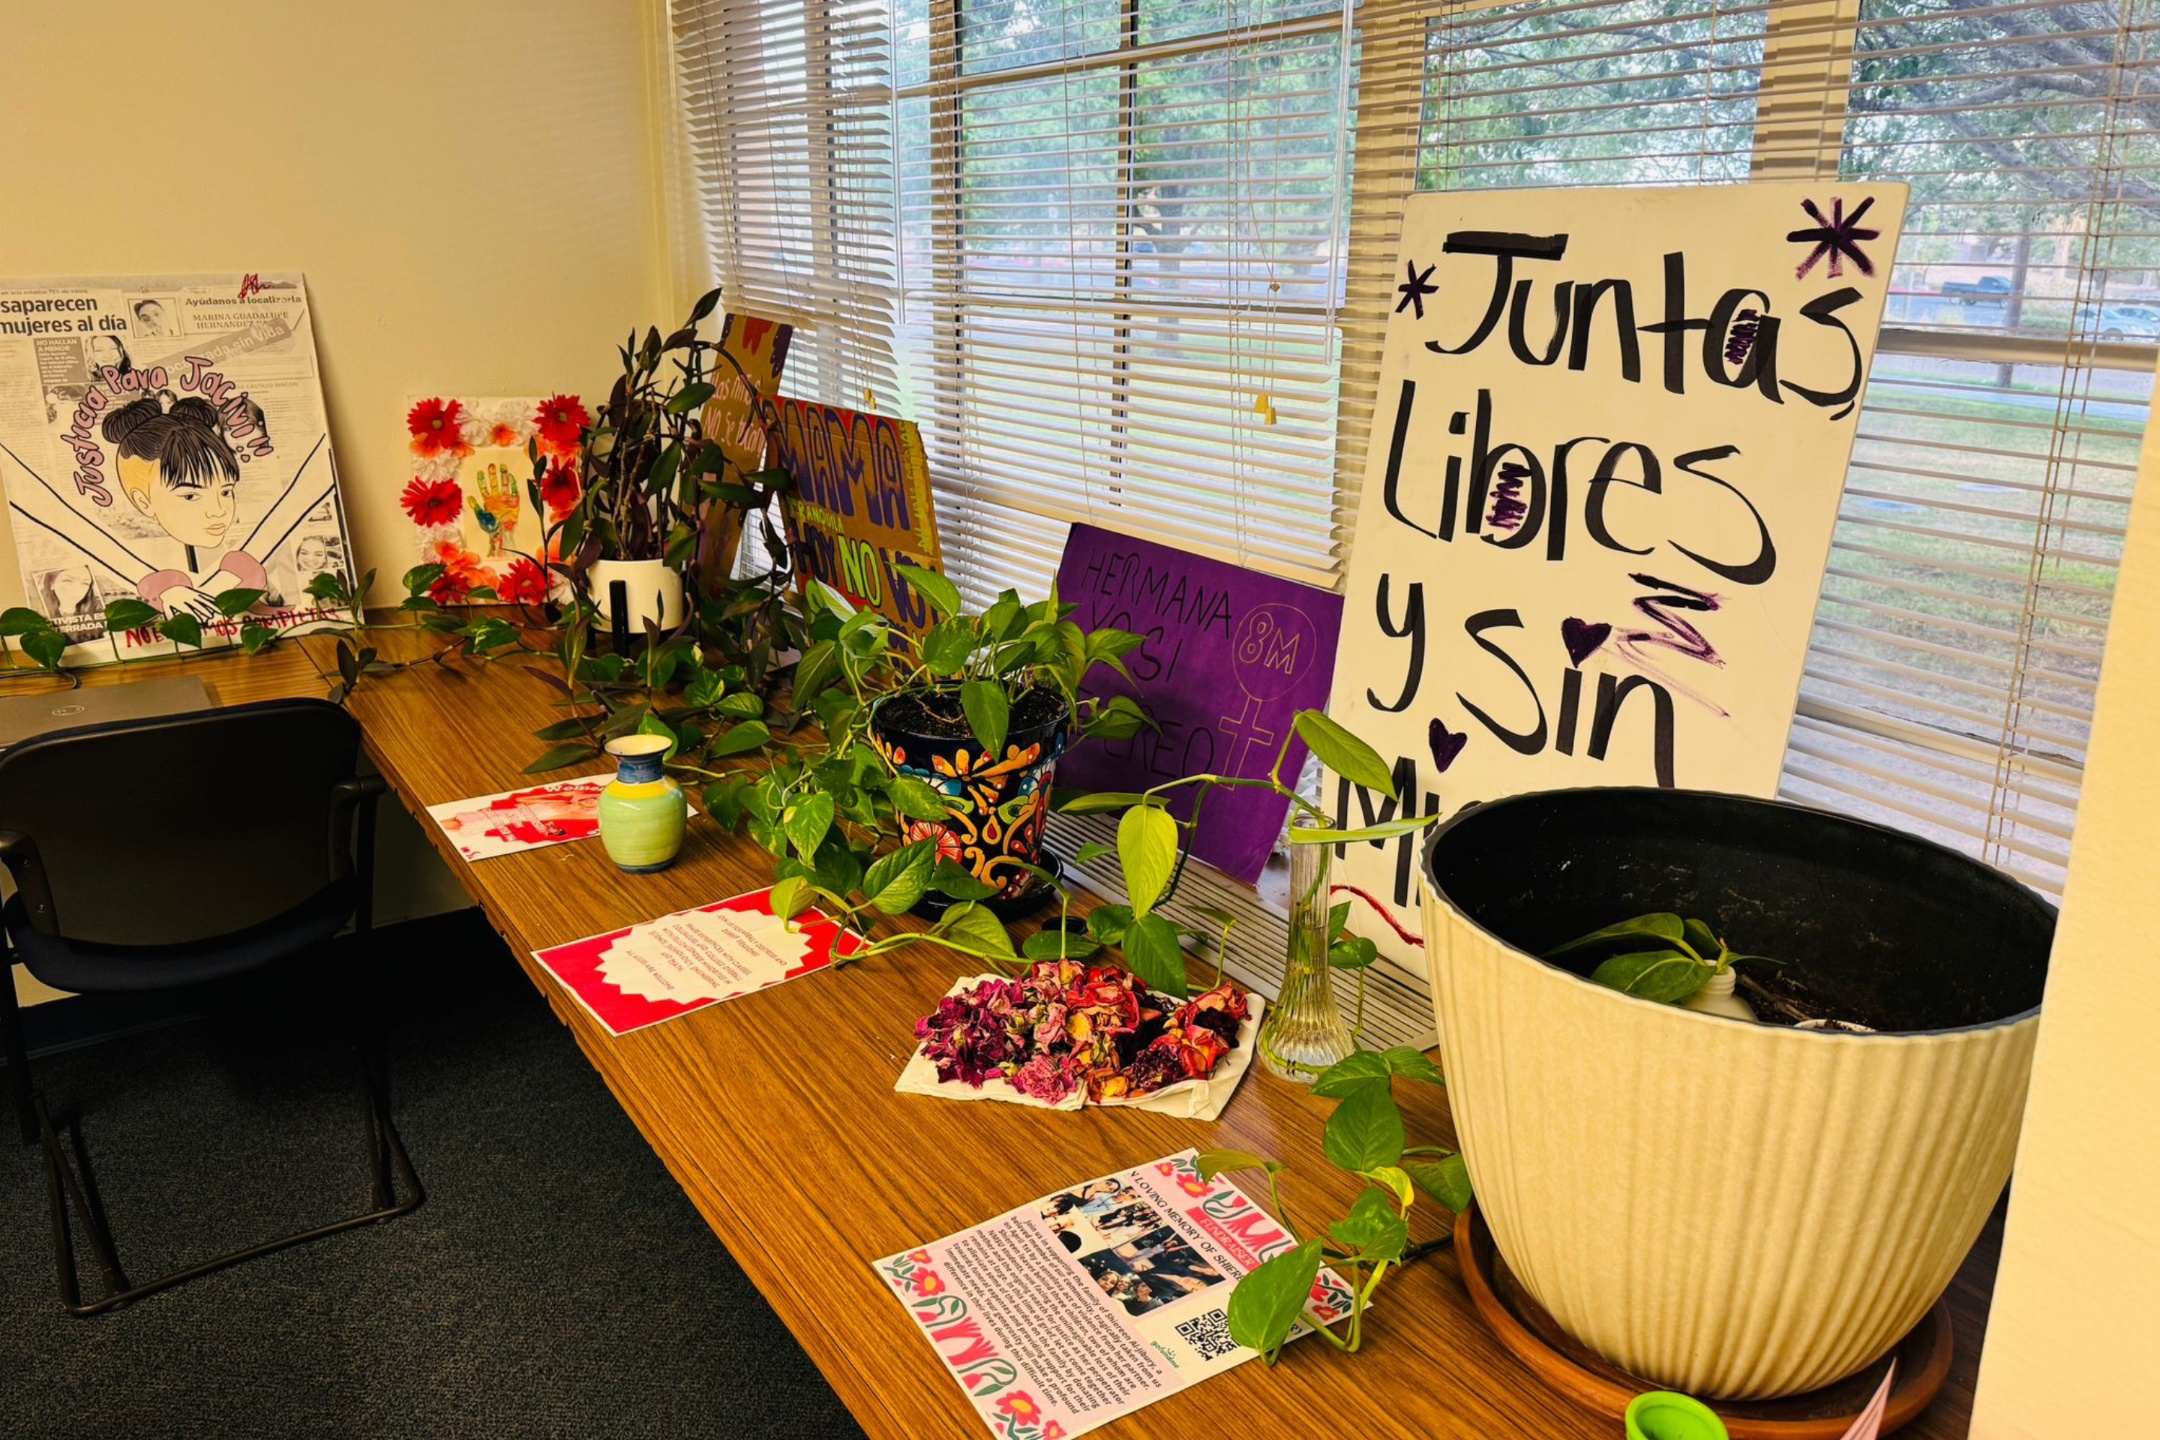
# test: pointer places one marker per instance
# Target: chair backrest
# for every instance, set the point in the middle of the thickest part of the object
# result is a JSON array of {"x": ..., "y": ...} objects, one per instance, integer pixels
[{"x": 180, "y": 828}]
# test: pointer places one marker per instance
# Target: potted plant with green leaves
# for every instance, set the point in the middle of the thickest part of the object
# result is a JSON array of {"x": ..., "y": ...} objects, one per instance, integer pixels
[
  {"x": 950, "y": 741},
  {"x": 651, "y": 477},
  {"x": 860, "y": 828},
  {"x": 1829, "y": 1157}
]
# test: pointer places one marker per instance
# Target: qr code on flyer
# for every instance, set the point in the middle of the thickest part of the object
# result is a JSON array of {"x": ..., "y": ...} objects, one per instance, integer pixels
[{"x": 1209, "y": 1334}]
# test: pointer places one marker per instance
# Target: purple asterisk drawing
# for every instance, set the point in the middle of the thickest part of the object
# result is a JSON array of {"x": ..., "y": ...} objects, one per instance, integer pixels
[{"x": 1838, "y": 237}]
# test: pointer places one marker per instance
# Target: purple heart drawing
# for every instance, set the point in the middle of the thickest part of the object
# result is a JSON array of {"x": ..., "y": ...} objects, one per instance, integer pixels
[
  {"x": 1582, "y": 638},
  {"x": 1446, "y": 744}
]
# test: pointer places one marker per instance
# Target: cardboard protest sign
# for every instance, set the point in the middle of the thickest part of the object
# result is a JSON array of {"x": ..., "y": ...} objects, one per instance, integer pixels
[
  {"x": 1227, "y": 657},
  {"x": 1611, "y": 435},
  {"x": 860, "y": 512},
  {"x": 753, "y": 353}
]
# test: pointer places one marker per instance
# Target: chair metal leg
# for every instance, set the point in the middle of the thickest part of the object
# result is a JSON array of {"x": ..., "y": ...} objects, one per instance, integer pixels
[
  {"x": 69, "y": 1181},
  {"x": 18, "y": 1054}
]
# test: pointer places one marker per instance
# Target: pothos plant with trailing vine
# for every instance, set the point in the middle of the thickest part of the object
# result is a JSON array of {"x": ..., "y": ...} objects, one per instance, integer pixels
[
  {"x": 847, "y": 826},
  {"x": 1366, "y": 1137}
]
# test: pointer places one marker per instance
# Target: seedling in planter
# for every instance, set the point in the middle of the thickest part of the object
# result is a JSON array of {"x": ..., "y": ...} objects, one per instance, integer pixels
[{"x": 1657, "y": 957}]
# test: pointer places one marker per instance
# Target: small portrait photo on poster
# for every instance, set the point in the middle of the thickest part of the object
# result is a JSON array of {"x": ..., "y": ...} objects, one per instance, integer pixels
[
  {"x": 156, "y": 317},
  {"x": 1151, "y": 1270},
  {"x": 71, "y": 599}
]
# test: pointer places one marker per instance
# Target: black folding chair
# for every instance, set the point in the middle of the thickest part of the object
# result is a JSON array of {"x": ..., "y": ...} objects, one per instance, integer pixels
[{"x": 122, "y": 840}]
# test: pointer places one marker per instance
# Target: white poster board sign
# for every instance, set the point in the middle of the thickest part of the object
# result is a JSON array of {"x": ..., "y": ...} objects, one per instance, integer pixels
[
  {"x": 1611, "y": 434},
  {"x": 162, "y": 440}
]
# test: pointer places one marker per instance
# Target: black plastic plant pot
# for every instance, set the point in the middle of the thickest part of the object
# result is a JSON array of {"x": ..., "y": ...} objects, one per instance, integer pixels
[
  {"x": 996, "y": 806},
  {"x": 1728, "y": 1208}
]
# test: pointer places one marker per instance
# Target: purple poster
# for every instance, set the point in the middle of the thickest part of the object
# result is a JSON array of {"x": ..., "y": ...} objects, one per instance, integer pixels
[{"x": 1229, "y": 657}]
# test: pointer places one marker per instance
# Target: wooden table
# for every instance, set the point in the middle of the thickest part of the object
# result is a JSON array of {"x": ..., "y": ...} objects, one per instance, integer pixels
[
  {"x": 232, "y": 678},
  {"x": 777, "y": 1116}
]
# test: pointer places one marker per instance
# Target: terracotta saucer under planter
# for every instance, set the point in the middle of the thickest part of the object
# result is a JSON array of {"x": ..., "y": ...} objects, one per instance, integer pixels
[{"x": 1533, "y": 1337}]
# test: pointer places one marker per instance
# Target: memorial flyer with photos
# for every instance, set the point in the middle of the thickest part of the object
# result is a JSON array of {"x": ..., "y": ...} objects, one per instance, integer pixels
[
  {"x": 661, "y": 969},
  {"x": 162, "y": 442},
  {"x": 1085, "y": 1305}
]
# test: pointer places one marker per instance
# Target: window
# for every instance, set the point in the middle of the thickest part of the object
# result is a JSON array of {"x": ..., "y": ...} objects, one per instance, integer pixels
[
  {"x": 1090, "y": 244},
  {"x": 1122, "y": 244},
  {"x": 1950, "y": 678}
]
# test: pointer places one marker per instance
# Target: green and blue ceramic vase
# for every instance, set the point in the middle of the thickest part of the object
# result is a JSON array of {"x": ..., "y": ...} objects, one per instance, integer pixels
[{"x": 643, "y": 810}]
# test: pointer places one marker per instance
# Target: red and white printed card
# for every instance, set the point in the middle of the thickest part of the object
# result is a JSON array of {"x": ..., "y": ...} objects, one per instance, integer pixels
[
  {"x": 490, "y": 825},
  {"x": 645, "y": 974}
]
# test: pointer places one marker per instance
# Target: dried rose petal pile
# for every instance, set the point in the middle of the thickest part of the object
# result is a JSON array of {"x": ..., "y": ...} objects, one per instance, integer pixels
[{"x": 1065, "y": 1025}]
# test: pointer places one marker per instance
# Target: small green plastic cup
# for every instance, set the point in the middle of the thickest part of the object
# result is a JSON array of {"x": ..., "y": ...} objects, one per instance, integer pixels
[{"x": 1664, "y": 1415}]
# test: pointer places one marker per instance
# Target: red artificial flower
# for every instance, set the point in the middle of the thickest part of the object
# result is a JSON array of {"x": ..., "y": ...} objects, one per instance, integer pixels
[
  {"x": 433, "y": 502},
  {"x": 560, "y": 419},
  {"x": 503, "y": 436},
  {"x": 435, "y": 428},
  {"x": 462, "y": 574},
  {"x": 559, "y": 490},
  {"x": 524, "y": 583}
]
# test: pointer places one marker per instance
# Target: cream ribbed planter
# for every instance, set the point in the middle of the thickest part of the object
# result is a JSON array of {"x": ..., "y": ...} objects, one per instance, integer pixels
[{"x": 1730, "y": 1209}]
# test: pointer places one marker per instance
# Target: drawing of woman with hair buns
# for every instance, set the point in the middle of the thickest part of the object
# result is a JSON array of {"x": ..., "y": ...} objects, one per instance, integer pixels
[{"x": 179, "y": 470}]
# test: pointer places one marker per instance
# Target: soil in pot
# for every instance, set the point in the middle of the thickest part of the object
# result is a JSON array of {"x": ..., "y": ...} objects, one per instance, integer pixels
[
  {"x": 937, "y": 714},
  {"x": 1876, "y": 927}
]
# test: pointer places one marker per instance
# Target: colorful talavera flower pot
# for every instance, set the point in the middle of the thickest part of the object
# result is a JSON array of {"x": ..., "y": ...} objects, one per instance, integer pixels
[
  {"x": 642, "y": 810},
  {"x": 1732, "y": 1209},
  {"x": 995, "y": 805}
]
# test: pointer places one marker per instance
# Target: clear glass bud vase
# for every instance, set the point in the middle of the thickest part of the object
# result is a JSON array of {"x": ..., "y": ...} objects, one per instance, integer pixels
[{"x": 1304, "y": 1032}]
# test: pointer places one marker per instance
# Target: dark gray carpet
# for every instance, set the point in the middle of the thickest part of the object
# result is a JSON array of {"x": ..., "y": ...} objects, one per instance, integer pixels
[{"x": 556, "y": 1282}]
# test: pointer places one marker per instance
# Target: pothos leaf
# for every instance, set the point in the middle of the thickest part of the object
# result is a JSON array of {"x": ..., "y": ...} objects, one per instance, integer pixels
[
  {"x": 233, "y": 602},
  {"x": 1344, "y": 753},
  {"x": 1372, "y": 1228},
  {"x": 917, "y": 799},
  {"x": 1353, "y": 1072},
  {"x": 1152, "y": 953},
  {"x": 954, "y": 879},
  {"x": 1666, "y": 976},
  {"x": 977, "y": 927},
  {"x": 1366, "y": 1130},
  {"x": 791, "y": 895},
  {"x": 1147, "y": 843},
  {"x": 1211, "y": 1163},
  {"x": 896, "y": 881},
  {"x": 47, "y": 646},
  {"x": 1058, "y": 944},
  {"x": 1447, "y": 1180},
  {"x": 1664, "y": 928},
  {"x": 806, "y": 821},
  {"x": 180, "y": 627},
  {"x": 132, "y": 614},
  {"x": 1265, "y": 1307},
  {"x": 988, "y": 711}
]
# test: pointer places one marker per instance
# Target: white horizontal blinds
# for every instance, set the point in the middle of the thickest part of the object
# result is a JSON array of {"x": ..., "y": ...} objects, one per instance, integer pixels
[
  {"x": 788, "y": 107},
  {"x": 1950, "y": 680},
  {"x": 1123, "y": 226}
]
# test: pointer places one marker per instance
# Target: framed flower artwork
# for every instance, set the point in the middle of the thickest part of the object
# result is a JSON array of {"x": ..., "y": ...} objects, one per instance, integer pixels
[{"x": 471, "y": 499}]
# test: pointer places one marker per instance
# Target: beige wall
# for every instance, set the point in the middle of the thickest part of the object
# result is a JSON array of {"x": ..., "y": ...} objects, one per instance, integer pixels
[
  {"x": 2075, "y": 1333},
  {"x": 472, "y": 188},
  {"x": 469, "y": 186}
]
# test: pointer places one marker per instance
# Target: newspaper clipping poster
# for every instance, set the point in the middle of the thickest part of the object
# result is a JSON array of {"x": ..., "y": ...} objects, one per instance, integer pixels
[
  {"x": 1085, "y": 1305},
  {"x": 162, "y": 439}
]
